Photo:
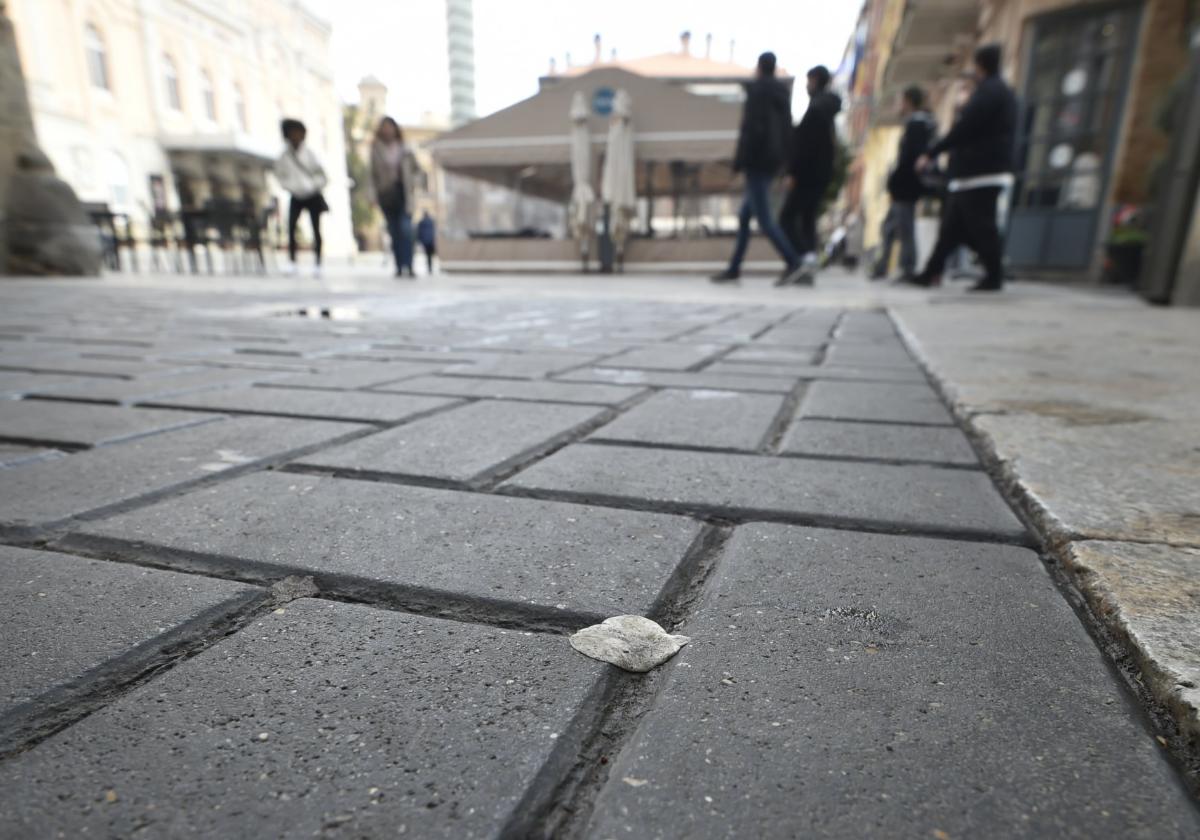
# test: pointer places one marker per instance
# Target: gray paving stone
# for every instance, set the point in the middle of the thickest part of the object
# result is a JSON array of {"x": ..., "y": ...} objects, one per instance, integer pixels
[
  {"x": 45, "y": 492},
  {"x": 880, "y": 441},
  {"x": 665, "y": 356},
  {"x": 326, "y": 719},
  {"x": 890, "y": 354},
  {"x": 54, "y": 423},
  {"x": 361, "y": 406},
  {"x": 809, "y": 372},
  {"x": 533, "y": 390},
  {"x": 699, "y": 380},
  {"x": 886, "y": 403},
  {"x": 524, "y": 365},
  {"x": 121, "y": 368},
  {"x": 774, "y": 355},
  {"x": 354, "y": 375},
  {"x": 66, "y": 616},
  {"x": 125, "y": 391},
  {"x": 714, "y": 419},
  {"x": 460, "y": 445},
  {"x": 873, "y": 496},
  {"x": 483, "y": 548},
  {"x": 12, "y": 454},
  {"x": 852, "y": 685},
  {"x": 19, "y": 383},
  {"x": 783, "y": 336}
]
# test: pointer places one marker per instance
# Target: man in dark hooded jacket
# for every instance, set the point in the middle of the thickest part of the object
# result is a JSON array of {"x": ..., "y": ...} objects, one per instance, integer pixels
[
  {"x": 905, "y": 187},
  {"x": 761, "y": 155},
  {"x": 810, "y": 169},
  {"x": 980, "y": 144}
]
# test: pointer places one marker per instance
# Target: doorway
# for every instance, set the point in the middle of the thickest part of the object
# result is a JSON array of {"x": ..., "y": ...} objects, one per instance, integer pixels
[{"x": 1078, "y": 72}]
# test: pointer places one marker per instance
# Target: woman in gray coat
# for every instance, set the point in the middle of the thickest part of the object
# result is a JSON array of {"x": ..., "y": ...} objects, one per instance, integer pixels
[{"x": 394, "y": 172}]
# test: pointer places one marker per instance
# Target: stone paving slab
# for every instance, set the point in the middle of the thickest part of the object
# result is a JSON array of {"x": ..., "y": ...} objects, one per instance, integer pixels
[
  {"x": 19, "y": 383},
  {"x": 812, "y": 372},
  {"x": 126, "y": 391},
  {"x": 879, "y": 402},
  {"x": 12, "y": 454},
  {"x": 891, "y": 354},
  {"x": 532, "y": 390},
  {"x": 46, "y": 492},
  {"x": 1081, "y": 483},
  {"x": 712, "y": 419},
  {"x": 773, "y": 355},
  {"x": 460, "y": 445},
  {"x": 665, "y": 356},
  {"x": 53, "y": 423},
  {"x": 1150, "y": 594},
  {"x": 482, "y": 548},
  {"x": 524, "y": 365},
  {"x": 354, "y": 406},
  {"x": 126, "y": 368},
  {"x": 325, "y": 719},
  {"x": 874, "y": 496},
  {"x": 354, "y": 375},
  {"x": 67, "y": 616},
  {"x": 879, "y": 441},
  {"x": 698, "y": 380},
  {"x": 851, "y": 685}
]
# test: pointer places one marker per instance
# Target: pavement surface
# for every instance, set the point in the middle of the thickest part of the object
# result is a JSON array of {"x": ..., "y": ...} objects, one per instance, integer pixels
[{"x": 286, "y": 558}]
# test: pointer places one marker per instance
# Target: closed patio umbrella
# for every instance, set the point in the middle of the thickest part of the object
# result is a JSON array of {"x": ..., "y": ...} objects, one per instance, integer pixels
[
  {"x": 617, "y": 186},
  {"x": 583, "y": 197}
]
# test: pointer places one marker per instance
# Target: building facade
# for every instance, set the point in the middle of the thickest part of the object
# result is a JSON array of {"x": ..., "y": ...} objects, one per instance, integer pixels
[
  {"x": 151, "y": 106},
  {"x": 1091, "y": 76}
]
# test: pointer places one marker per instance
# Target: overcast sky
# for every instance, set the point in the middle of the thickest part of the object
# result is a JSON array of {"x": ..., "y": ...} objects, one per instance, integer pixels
[{"x": 403, "y": 42}]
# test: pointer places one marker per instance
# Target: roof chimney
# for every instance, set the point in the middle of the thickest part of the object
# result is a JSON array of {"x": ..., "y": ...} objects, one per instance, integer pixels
[
  {"x": 568, "y": 60},
  {"x": 613, "y": 57},
  {"x": 708, "y": 45},
  {"x": 685, "y": 43},
  {"x": 553, "y": 66},
  {"x": 731, "y": 43},
  {"x": 596, "y": 41}
]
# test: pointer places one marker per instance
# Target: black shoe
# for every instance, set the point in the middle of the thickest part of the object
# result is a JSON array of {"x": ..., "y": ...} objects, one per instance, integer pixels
[
  {"x": 726, "y": 276},
  {"x": 879, "y": 274},
  {"x": 923, "y": 280},
  {"x": 984, "y": 286}
]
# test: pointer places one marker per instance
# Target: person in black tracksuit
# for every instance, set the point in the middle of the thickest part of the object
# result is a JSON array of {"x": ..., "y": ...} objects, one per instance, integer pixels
[
  {"x": 760, "y": 156},
  {"x": 810, "y": 168},
  {"x": 904, "y": 186},
  {"x": 981, "y": 161}
]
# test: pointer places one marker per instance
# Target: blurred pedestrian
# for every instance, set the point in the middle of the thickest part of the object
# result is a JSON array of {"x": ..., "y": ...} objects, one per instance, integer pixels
[
  {"x": 761, "y": 155},
  {"x": 905, "y": 187},
  {"x": 810, "y": 169},
  {"x": 427, "y": 236},
  {"x": 980, "y": 144},
  {"x": 394, "y": 173},
  {"x": 301, "y": 174}
]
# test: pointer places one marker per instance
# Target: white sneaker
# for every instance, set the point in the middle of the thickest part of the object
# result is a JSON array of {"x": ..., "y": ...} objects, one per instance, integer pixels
[
  {"x": 289, "y": 270},
  {"x": 316, "y": 272}
]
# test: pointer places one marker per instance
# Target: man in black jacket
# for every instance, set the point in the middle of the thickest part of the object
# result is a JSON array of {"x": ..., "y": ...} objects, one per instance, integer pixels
[
  {"x": 981, "y": 147},
  {"x": 904, "y": 186},
  {"x": 761, "y": 154},
  {"x": 810, "y": 169}
]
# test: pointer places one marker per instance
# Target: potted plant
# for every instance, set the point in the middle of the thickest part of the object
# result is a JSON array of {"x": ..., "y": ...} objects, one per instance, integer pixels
[{"x": 1126, "y": 241}]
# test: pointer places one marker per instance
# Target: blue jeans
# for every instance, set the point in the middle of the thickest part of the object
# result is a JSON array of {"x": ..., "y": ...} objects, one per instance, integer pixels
[
  {"x": 400, "y": 231},
  {"x": 757, "y": 205}
]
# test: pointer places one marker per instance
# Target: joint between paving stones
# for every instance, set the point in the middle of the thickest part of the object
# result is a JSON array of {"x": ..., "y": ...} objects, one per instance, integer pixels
[
  {"x": 32, "y": 722},
  {"x": 417, "y": 600},
  {"x": 773, "y": 438},
  {"x": 560, "y": 801}
]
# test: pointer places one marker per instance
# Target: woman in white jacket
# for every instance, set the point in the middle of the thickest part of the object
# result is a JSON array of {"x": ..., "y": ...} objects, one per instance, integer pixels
[{"x": 301, "y": 174}]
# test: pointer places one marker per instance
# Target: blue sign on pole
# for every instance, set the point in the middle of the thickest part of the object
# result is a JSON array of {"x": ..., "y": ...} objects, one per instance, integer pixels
[{"x": 602, "y": 101}]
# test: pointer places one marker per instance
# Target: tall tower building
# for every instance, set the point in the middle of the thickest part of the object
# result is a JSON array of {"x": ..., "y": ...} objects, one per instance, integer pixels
[{"x": 460, "y": 30}]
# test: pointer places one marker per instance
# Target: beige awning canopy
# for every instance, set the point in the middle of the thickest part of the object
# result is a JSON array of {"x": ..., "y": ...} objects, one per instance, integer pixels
[
  {"x": 527, "y": 145},
  {"x": 931, "y": 40}
]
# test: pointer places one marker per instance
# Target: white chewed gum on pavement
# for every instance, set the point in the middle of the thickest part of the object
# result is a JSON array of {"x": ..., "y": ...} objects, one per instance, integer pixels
[{"x": 628, "y": 641}]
